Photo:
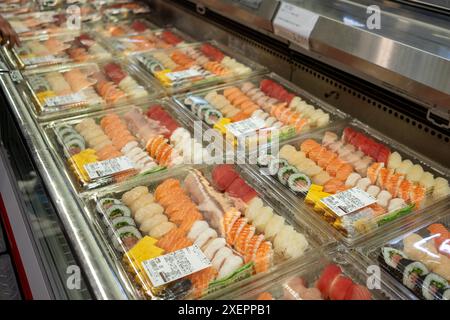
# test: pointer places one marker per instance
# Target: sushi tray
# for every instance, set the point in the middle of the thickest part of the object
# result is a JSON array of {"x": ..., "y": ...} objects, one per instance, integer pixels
[
  {"x": 148, "y": 41},
  {"x": 10, "y": 8},
  {"x": 120, "y": 144},
  {"x": 417, "y": 261},
  {"x": 122, "y": 10},
  {"x": 74, "y": 88},
  {"x": 196, "y": 65},
  {"x": 213, "y": 211},
  {"x": 125, "y": 28},
  {"x": 320, "y": 276},
  {"x": 354, "y": 178},
  {"x": 282, "y": 108},
  {"x": 41, "y": 51}
]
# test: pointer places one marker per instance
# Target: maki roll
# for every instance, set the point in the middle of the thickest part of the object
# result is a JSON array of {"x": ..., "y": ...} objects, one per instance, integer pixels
[
  {"x": 432, "y": 285},
  {"x": 212, "y": 116},
  {"x": 264, "y": 160},
  {"x": 201, "y": 111},
  {"x": 444, "y": 294},
  {"x": 120, "y": 222},
  {"x": 276, "y": 164},
  {"x": 105, "y": 203},
  {"x": 125, "y": 238},
  {"x": 118, "y": 210},
  {"x": 285, "y": 172},
  {"x": 74, "y": 144},
  {"x": 299, "y": 182},
  {"x": 413, "y": 273},
  {"x": 390, "y": 259}
]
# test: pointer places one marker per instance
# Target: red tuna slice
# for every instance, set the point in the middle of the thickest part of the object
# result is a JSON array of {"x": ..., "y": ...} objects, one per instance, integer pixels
[
  {"x": 283, "y": 96},
  {"x": 383, "y": 154},
  {"x": 114, "y": 72},
  {"x": 265, "y": 85},
  {"x": 358, "y": 292},
  {"x": 348, "y": 134},
  {"x": 235, "y": 187},
  {"x": 153, "y": 109},
  {"x": 373, "y": 150},
  {"x": 326, "y": 279},
  {"x": 170, "y": 38},
  {"x": 339, "y": 287},
  {"x": 172, "y": 126},
  {"x": 367, "y": 145},
  {"x": 138, "y": 26},
  {"x": 249, "y": 195},
  {"x": 157, "y": 114},
  {"x": 289, "y": 97},
  {"x": 223, "y": 176},
  {"x": 359, "y": 140}
]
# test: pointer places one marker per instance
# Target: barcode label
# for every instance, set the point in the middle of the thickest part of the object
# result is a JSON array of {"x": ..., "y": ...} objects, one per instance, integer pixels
[
  {"x": 348, "y": 201},
  {"x": 108, "y": 167},
  {"x": 181, "y": 75},
  {"x": 175, "y": 265},
  {"x": 63, "y": 100},
  {"x": 245, "y": 127}
]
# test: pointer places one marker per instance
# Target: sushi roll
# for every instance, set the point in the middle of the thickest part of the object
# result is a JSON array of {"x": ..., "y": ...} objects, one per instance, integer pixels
[
  {"x": 299, "y": 182},
  {"x": 120, "y": 222},
  {"x": 201, "y": 111},
  {"x": 276, "y": 164},
  {"x": 212, "y": 116},
  {"x": 391, "y": 257},
  {"x": 413, "y": 273},
  {"x": 126, "y": 237},
  {"x": 431, "y": 286},
  {"x": 264, "y": 160},
  {"x": 285, "y": 172},
  {"x": 105, "y": 203},
  {"x": 117, "y": 210},
  {"x": 444, "y": 294}
]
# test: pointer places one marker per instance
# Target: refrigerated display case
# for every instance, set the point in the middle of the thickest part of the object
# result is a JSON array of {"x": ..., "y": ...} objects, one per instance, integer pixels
[{"x": 392, "y": 81}]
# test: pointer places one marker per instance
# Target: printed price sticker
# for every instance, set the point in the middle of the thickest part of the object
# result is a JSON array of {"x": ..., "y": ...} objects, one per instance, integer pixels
[
  {"x": 63, "y": 100},
  {"x": 41, "y": 59},
  {"x": 175, "y": 265},
  {"x": 181, "y": 75},
  {"x": 108, "y": 167},
  {"x": 348, "y": 201},
  {"x": 295, "y": 24},
  {"x": 245, "y": 127}
]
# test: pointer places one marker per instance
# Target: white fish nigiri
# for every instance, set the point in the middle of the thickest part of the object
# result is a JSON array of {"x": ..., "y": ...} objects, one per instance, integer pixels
[
  {"x": 394, "y": 161},
  {"x": 231, "y": 264},
  {"x": 414, "y": 173},
  {"x": 273, "y": 226},
  {"x": 404, "y": 167},
  {"x": 213, "y": 246},
  {"x": 220, "y": 256},
  {"x": 205, "y": 236},
  {"x": 197, "y": 228},
  {"x": 253, "y": 208},
  {"x": 262, "y": 218}
]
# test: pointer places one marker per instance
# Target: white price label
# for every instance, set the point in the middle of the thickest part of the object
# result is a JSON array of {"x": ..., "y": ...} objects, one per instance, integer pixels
[
  {"x": 108, "y": 167},
  {"x": 348, "y": 201},
  {"x": 20, "y": 28},
  {"x": 181, "y": 75},
  {"x": 245, "y": 127},
  {"x": 295, "y": 24},
  {"x": 39, "y": 60},
  {"x": 63, "y": 100},
  {"x": 175, "y": 265}
]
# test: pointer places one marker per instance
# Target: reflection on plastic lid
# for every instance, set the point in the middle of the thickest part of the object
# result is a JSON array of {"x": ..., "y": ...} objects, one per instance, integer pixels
[
  {"x": 418, "y": 245},
  {"x": 445, "y": 246}
]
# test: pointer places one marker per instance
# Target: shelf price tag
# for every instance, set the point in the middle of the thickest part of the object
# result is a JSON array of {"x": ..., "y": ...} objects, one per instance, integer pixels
[
  {"x": 109, "y": 167},
  {"x": 182, "y": 75},
  {"x": 64, "y": 100},
  {"x": 175, "y": 265},
  {"x": 348, "y": 201},
  {"x": 245, "y": 127},
  {"x": 295, "y": 24}
]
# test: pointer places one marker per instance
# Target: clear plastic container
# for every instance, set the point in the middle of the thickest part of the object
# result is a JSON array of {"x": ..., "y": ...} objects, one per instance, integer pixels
[
  {"x": 149, "y": 41},
  {"x": 41, "y": 51},
  {"x": 125, "y": 28},
  {"x": 329, "y": 275},
  {"x": 14, "y": 7},
  {"x": 121, "y": 10},
  {"x": 122, "y": 143},
  {"x": 229, "y": 231},
  {"x": 374, "y": 180},
  {"x": 257, "y": 101},
  {"x": 65, "y": 90},
  {"x": 196, "y": 66},
  {"x": 417, "y": 261}
]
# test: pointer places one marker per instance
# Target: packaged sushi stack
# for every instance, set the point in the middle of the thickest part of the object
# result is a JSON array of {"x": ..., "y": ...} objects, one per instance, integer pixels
[
  {"x": 148, "y": 41},
  {"x": 215, "y": 210},
  {"x": 133, "y": 140},
  {"x": 339, "y": 161},
  {"x": 280, "y": 107},
  {"x": 420, "y": 261},
  {"x": 126, "y": 28},
  {"x": 195, "y": 65},
  {"x": 44, "y": 51},
  {"x": 69, "y": 89}
]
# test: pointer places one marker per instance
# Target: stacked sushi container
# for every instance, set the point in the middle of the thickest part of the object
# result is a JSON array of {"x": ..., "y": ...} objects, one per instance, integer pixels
[
  {"x": 195, "y": 66},
  {"x": 126, "y": 27},
  {"x": 210, "y": 222},
  {"x": 78, "y": 88},
  {"x": 417, "y": 261},
  {"x": 356, "y": 180},
  {"x": 108, "y": 147},
  {"x": 274, "y": 105},
  {"x": 323, "y": 275}
]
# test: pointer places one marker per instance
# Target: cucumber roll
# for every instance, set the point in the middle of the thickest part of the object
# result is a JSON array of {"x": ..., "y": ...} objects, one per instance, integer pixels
[
  {"x": 118, "y": 210},
  {"x": 413, "y": 274},
  {"x": 74, "y": 144},
  {"x": 444, "y": 294},
  {"x": 264, "y": 160},
  {"x": 105, "y": 203},
  {"x": 128, "y": 236},
  {"x": 212, "y": 116},
  {"x": 276, "y": 164},
  {"x": 120, "y": 222},
  {"x": 285, "y": 172},
  {"x": 201, "y": 110},
  {"x": 432, "y": 284},
  {"x": 299, "y": 182}
]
